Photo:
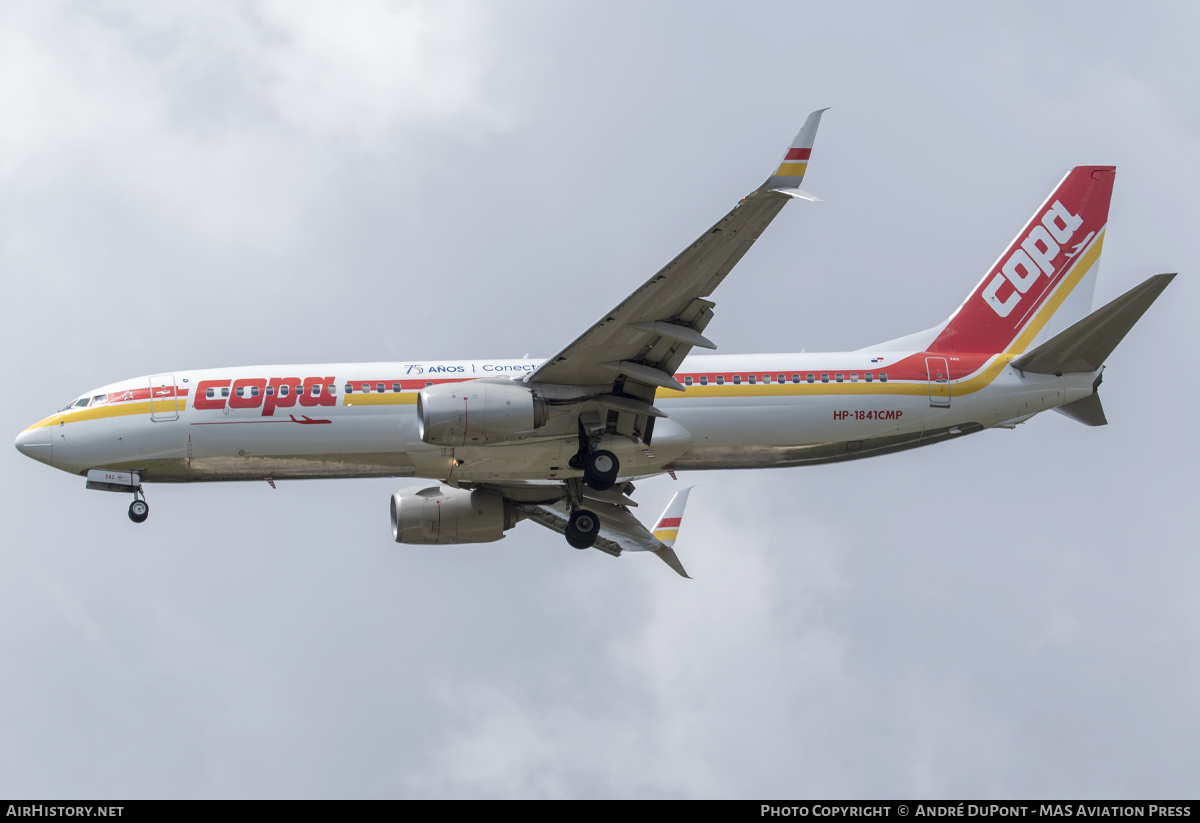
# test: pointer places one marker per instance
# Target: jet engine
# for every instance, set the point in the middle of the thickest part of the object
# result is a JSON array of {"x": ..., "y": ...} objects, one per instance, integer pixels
[
  {"x": 478, "y": 412},
  {"x": 439, "y": 514}
]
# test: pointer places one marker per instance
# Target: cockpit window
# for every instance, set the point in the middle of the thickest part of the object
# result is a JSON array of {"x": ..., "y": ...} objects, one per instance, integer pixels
[
  {"x": 81, "y": 403},
  {"x": 98, "y": 399}
]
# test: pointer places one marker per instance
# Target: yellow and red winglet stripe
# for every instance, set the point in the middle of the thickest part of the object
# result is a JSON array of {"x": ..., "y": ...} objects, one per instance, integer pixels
[
  {"x": 667, "y": 529},
  {"x": 794, "y": 164}
]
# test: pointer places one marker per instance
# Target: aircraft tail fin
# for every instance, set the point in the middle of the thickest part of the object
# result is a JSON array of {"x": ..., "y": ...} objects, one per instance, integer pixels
[
  {"x": 1046, "y": 277},
  {"x": 1087, "y": 344}
]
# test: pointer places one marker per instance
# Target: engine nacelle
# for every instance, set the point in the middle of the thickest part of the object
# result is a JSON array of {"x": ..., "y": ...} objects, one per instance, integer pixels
[
  {"x": 439, "y": 514},
  {"x": 476, "y": 412}
]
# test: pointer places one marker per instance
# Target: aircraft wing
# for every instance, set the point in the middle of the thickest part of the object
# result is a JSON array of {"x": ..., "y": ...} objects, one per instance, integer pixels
[
  {"x": 620, "y": 530},
  {"x": 636, "y": 347}
]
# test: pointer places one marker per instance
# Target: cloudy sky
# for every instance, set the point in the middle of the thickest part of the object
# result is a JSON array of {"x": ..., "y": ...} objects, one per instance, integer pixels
[{"x": 203, "y": 184}]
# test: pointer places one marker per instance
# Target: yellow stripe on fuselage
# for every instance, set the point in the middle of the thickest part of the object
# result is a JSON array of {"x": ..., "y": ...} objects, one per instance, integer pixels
[
  {"x": 380, "y": 399},
  {"x": 904, "y": 388},
  {"x": 912, "y": 388},
  {"x": 109, "y": 410}
]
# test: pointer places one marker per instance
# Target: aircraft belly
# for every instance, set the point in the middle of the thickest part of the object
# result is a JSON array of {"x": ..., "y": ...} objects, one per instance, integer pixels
[{"x": 317, "y": 443}]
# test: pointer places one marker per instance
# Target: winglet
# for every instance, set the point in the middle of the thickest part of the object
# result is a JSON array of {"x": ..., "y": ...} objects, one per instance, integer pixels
[
  {"x": 790, "y": 173},
  {"x": 669, "y": 557},
  {"x": 667, "y": 530}
]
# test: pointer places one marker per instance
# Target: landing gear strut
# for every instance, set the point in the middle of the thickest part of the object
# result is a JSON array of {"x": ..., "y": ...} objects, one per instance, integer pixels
[
  {"x": 583, "y": 526},
  {"x": 139, "y": 510}
]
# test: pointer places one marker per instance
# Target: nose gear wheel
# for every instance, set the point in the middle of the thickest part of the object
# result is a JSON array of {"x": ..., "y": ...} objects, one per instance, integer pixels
[{"x": 139, "y": 509}]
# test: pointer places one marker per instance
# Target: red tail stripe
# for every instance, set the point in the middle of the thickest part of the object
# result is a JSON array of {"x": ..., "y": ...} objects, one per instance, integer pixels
[
  {"x": 668, "y": 522},
  {"x": 798, "y": 154}
]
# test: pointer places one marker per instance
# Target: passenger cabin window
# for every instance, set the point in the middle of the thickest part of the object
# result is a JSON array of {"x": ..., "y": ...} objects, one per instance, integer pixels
[
  {"x": 332, "y": 389},
  {"x": 868, "y": 377},
  {"x": 704, "y": 380},
  {"x": 395, "y": 387},
  {"x": 239, "y": 390},
  {"x": 796, "y": 378},
  {"x": 824, "y": 377},
  {"x": 366, "y": 387},
  {"x": 781, "y": 378},
  {"x": 348, "y": 387},
  {"x": 428, "y": 383},
  {"x": 838, "y": 377},
  {"x": 752, "y": 380},
  {"x": 883, "y": 377},
  {"x": 254, "y": 391},
  {"x": 853, "y": 377},
  {"x": 270, "y": 391},
  {"x": 210, "y": 393},
  {"x": 687, "y": 381},
  {"x": 316, "y": 390},
  {"x": 737, "y": 380},
  {"x": 283, "y": 390},
  {"x": 379, "y": 387},
  {"x": 720, "y": 380},
  {"x": 225, "y": 391},
  {"x": 809, "y": 378}
]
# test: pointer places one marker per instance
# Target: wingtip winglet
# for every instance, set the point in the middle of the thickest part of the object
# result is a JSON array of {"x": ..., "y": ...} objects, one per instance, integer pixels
[
  {"x": 791, "y": 169},
  {"x": 668, "y": 556},
  {"x": 666, "y": 530}
]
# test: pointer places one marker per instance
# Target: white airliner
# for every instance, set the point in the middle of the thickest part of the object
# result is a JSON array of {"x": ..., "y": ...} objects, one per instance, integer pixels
[{"x": 558, "y": 441}]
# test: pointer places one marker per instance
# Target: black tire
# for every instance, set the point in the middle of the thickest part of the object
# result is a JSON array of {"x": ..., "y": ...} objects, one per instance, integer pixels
[
  {"x": 600, "y": 470},
  {"x": 582, "y": 529},
  {"x": 139, "y": 511}
]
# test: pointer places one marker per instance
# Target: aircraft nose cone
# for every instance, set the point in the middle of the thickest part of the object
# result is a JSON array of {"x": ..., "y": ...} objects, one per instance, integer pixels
[{"x": 35, "y": 443}]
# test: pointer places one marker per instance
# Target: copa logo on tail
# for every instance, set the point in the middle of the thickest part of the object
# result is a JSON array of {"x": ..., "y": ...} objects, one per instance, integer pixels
[{"x": 1035, "y": 256}]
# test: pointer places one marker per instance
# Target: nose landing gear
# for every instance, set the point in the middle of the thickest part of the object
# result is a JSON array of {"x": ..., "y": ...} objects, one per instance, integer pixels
[{"x": 139, "y": 509}]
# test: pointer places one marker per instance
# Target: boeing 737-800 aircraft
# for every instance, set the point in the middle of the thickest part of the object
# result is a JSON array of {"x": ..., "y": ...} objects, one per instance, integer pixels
[{"x": 558, "y": 441}]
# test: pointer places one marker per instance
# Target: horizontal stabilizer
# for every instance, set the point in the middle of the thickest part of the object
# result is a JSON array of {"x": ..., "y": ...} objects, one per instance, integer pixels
[
  {"x": 1087, "y": 411},
  {"x": 1086, "y": 345}
]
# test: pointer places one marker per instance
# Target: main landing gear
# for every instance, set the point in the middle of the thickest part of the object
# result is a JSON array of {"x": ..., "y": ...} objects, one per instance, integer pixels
[
  {"x": 600, "y": 469},
  {"x": 139, "y": 509},
  {"x": 583, "y": 528}
]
